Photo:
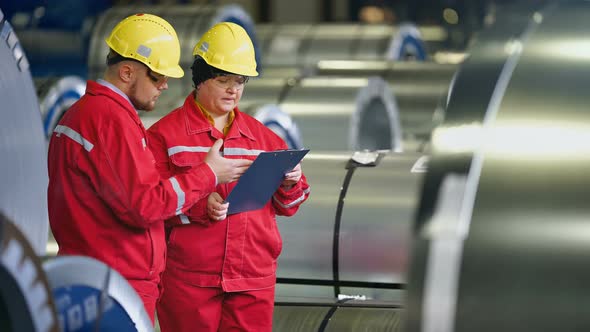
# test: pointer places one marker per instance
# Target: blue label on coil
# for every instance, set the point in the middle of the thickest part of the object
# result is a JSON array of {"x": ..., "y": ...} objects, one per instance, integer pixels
[
  {"x": 79, "y": 307},
  {"x": 413, "y": 47}
]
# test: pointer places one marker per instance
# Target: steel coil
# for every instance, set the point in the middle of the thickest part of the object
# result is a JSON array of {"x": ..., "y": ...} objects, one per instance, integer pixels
[
  {"x": 56, "y": 95},
  {"x": 333, "y": 113},
  {"x": 501, "y": 240},
  {"x": 352, "y": 237},
  {"x": 420, "y": 88},
  {"x": 300, "y": 45},
  {"x": 22, "y": 144}
]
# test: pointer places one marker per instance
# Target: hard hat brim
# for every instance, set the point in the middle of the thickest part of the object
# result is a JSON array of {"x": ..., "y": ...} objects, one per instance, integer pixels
[{"x": 175, "y": 72}]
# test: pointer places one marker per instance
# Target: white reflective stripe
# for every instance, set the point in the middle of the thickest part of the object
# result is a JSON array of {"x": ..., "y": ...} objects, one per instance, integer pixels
[
  {"x": 226, "y": 152},
  {"x": 179, "y": 194},
  {"x": 292, "y": 204},
  {"x": 240, "y": 152},
  {"x": 181, "y": 148},
  {"x": 74, "y": 135},
  {"x": 143, "y": 143},
  {"x": 184, "y": 219}
]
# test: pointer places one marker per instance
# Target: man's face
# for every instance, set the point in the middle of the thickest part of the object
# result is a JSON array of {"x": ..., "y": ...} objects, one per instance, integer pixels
[{"x": 146, "y": 87}]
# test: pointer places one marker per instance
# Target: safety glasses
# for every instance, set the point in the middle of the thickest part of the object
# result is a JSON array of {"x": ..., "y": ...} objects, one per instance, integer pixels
[
  {"x": 230, "y": 81},
  {"x": 158, "y": 79}
]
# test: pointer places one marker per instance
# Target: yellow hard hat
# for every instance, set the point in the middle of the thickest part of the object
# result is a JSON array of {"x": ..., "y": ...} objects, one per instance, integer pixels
[
  {"x": 150, "y": 40},
  {"x": 228, "y": 47}
]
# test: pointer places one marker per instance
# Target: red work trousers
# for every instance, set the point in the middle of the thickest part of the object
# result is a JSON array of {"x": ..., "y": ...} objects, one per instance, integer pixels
[
  {"x": 149, "y": 292},
  {"x": 188, "y": 308}
]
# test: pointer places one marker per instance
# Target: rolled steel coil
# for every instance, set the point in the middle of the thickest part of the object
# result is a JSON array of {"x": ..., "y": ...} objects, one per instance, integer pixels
[
  {"x": 351, "y": 239},
  {"x": 91, "y": 296},
  {"x": 501, "y": 240},
  {"x": 300, "y": 45},
  {"x": 333, "y": 113},
  {"x": 420, "y": 88},
  {"x": 56, "y": 95},
  {"x": 23, "y": 170},
  {"x": 26, "y": 302},
  {"x": 346, "y": 315}
]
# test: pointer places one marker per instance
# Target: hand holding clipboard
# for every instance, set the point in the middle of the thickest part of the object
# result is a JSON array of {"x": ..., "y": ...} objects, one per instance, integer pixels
[{"x": 262, "y": 179}]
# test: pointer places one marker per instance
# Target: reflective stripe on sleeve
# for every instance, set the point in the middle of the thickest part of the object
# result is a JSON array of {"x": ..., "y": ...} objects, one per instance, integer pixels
[
  {"x": 179, "y": 195},
  {"x": 74, "y": 135},
  {"x": 181, "y": 148},
  {"x": 184, "y": 219},
  {"x": 226, "y": 152},
  {"x": 240, "y": 152},
  {"x": 293, "y": 203}
]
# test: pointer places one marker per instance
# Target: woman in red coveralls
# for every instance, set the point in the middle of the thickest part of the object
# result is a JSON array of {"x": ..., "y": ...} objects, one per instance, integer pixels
[{"x": 220, "y": 270}]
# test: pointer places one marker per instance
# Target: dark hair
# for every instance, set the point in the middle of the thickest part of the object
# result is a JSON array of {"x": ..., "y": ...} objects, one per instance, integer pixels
[
  {"x": 202, "y": 71},
  {"x": 114, "y": 57}
]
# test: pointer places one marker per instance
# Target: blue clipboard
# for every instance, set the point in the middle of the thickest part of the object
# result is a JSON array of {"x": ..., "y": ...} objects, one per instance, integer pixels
[{"x": 264, "y": 176}]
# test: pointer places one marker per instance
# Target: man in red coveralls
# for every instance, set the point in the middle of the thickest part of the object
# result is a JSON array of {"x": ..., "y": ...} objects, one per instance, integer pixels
[
  {"x": 106, "y": 199},
  {"x": 220, "y": 271}
]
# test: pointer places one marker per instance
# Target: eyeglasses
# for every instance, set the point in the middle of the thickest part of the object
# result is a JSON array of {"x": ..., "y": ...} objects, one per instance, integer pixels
[
  {"x": 230, "y": 81},
  {"x": 158, "y": 79}
]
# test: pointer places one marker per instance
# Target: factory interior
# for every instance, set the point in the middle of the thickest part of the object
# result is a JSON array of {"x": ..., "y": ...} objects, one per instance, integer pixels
[{"x": 447, "y": 159}]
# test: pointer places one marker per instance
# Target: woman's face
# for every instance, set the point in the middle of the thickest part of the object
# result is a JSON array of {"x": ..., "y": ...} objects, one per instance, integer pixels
[{"x": 220, "y": 95}]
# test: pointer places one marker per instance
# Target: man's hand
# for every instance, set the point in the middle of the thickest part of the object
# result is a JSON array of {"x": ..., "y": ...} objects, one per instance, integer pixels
[
  {"x": 216, "y": 209},
  {"x": 226, "y": 170},
  {"x": 292, "y": 177}
]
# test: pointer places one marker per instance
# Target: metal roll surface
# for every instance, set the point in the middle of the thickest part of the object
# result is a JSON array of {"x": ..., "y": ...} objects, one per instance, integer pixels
[
  {"x": 305, "y": 315},
  {"x": 26, "y": 303},
  {"x": 513, "y": 243},
  {"x": 351, "y": 238},
  {"x": 420, "y": 88},
  {"x": 300, "y": 45},
  {"x": 23, "y": 170},
  {"x": 333, "y": 113},
  {"x": 90, "y": 296},
  {"x": 56, "y": 95},
  {"x": 279, "y": 122}
]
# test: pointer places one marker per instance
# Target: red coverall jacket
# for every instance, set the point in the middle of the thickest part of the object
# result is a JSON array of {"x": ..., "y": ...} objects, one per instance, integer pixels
[
  {"x": 239, "y": 253},
  {"x": 106, "y": 199}
]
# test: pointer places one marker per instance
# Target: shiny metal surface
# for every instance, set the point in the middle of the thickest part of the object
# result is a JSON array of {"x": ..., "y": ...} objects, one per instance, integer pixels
[
  {"x": 333, "y": 114},
  {"x": 324, "y": 108},
  {"x": 280, "y": 123},
  {"x": 305, "y": 315},
  {"x": 450, "y": 159},
  {"x": 420, "y": 88},
  {"x": 521, "y": 241},
  {"x": 367, "y": 254},
  {"x": 56, "y": 95},
  {"x": 189, "y": 21},
  {"x": 26, "y": 302},
  {"x": 23, "y": 171},
  {"x": 305, "y": 44},
  {"x": 66, "y": 271}
]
